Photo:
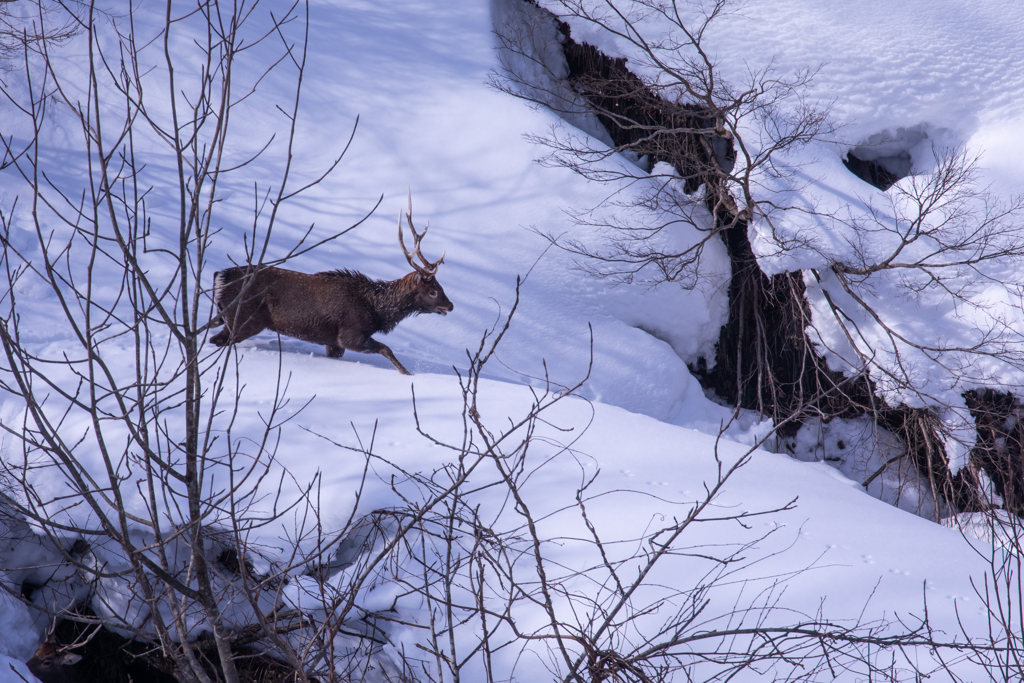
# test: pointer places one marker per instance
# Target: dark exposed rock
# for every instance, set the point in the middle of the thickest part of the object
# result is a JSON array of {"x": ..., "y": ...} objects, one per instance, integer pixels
[
  {"x": 999, "y": 450},
  {"x": 870, "y": 172},
  {"x": 637, "y": 118}
]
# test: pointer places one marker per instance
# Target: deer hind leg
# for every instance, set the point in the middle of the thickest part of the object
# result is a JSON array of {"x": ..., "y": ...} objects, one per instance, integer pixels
[
  {"x": 334, "y": 351},
  {"x": 373, "y": 346},
  {"x": 222, "y": 338},
  {"x": 236, "y": 329}
]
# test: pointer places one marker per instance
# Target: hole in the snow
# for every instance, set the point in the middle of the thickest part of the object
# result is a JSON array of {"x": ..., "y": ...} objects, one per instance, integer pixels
[
  {"x": 886, "y": 157},
  {"x": 872, "y": 172}
]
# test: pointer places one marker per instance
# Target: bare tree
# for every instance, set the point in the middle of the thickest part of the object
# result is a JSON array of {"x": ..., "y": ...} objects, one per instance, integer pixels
[
  {"x": 134, "y": 473},
  {"x": 671, "y": 107},
  {"x": 945, "y": 243},
  {"x": 19, "y": 27},
  {"x": 129, "y": 417},
  {"x": 667, "y": 123},
  {"x": 485, "y": 567},
  {"x": 703, "y": 151}
]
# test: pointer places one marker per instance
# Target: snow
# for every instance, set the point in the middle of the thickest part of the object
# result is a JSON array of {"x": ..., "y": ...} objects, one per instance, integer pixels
[
  {"x": 951, "y": 66},
  {"x": 415, "y": 74},
  {"x": 13, "y": 671},
  {"x": 911, "y": 81},
  {"x": 896, "y": 73}
]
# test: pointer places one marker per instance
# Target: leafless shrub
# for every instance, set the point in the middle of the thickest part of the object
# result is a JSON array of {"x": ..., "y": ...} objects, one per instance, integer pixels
[
  {"x": 673, "y": 106},
  {"x": 125, "y": 282},
  {"x": 474, "y": 551},
  {"x": 940, "y": 238},
  {"x": 26, "y": 26},
  {"x": 937, "y": 237}
]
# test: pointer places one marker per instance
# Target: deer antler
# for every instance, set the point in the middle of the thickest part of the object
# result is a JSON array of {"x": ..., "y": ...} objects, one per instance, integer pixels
[
  {"x": 51, "y": 632},
  {"x": 428, "y": 269}
]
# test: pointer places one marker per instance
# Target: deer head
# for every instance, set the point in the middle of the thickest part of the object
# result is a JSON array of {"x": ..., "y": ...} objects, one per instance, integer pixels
[
  {"x": 430, "y": 292},
  {"x": 52, "y": 663}
]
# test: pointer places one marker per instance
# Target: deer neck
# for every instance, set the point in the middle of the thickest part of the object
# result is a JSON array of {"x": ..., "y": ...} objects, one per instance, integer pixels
[{"x": 393, "y": 301}]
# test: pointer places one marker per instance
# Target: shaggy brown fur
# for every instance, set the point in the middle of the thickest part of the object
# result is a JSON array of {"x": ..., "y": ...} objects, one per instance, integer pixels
[{"x": 340, "y": 309}]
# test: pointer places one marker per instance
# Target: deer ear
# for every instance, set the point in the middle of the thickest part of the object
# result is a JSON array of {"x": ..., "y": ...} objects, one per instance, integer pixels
[{"x": 70, "y": 658}]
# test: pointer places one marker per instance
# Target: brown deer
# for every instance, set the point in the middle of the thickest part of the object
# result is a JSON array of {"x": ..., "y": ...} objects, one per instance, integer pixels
[
  {"x": 341, "y": 309},
  {"x": 53, "y": 664}
]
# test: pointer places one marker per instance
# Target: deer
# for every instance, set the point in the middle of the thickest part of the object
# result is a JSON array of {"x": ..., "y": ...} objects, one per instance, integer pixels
[
  {"x": 52, "y": 664},
  {"x": 341, "y": 309}
]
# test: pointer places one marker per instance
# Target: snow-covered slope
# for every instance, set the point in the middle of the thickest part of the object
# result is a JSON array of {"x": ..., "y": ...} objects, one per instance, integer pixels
[
  {"x": 913, "y": 80},
  {"x": 415, "y": 74}
]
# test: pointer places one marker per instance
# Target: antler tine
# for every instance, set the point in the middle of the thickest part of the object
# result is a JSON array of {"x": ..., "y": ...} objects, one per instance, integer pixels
[
  {"x": 408, "y": 217},
  {"x": 52, "y": 630},
  {"x": 416, "y": 246},
  {"x": 79, "y": 643},
  {"x": 427, "y": 268}
]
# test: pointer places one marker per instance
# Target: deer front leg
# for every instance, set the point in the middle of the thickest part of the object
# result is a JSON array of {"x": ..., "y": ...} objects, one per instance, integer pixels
[{"x": 373, "y": 346}]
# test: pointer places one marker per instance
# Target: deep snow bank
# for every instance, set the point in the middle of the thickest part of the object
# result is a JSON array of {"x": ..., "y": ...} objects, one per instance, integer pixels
[{"x": 429, "y": 121}]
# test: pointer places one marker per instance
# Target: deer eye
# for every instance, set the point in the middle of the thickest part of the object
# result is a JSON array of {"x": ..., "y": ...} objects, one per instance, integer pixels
[{"x": 433, "y": 294}]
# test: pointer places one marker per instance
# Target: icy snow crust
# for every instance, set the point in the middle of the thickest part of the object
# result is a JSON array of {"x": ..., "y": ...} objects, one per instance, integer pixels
[{"x": 415, "y": 74}]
